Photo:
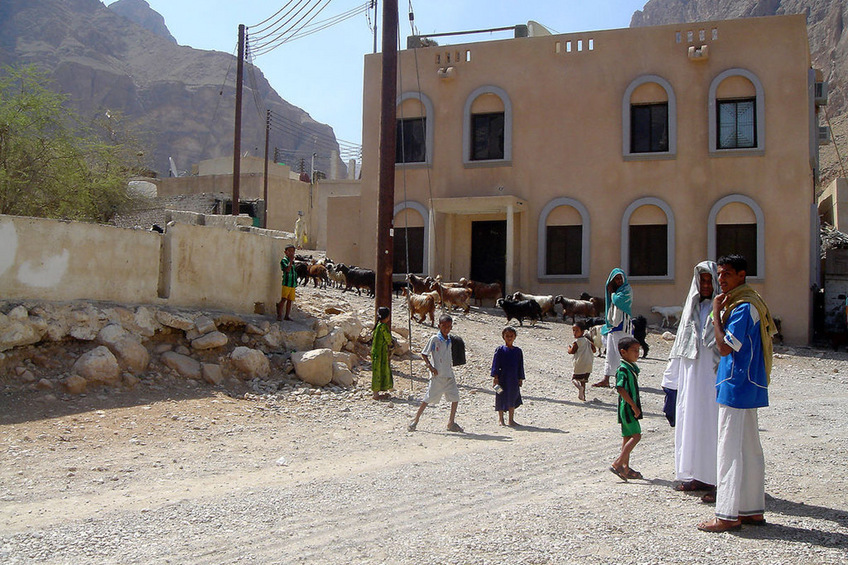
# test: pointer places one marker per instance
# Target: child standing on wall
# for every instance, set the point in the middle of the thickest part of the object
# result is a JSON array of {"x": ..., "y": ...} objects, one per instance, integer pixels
[
  {"x": 289, "y": 283},
  {"x": 629, "y": 407},
  {"x": 582, "y": 350},
  {"x": 508, "y": 376}
]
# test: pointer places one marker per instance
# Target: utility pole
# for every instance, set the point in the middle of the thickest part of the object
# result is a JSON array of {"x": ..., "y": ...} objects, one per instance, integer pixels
[
  {"x": 388, "y": 134},
  {"x": 265, "y": 179},
  {"x": 237, "y": 135},
  {"x": 374, "y": 4}
]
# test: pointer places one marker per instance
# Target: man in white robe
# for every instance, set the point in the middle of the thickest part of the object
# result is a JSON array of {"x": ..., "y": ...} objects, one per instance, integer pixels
[{"x": 692, "y": 372}]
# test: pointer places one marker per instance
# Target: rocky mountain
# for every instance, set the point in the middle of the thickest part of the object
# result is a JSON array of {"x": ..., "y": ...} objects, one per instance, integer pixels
[
  {"x": 826, "y": 21},
  {"x": 140, "y": 12},
  {"x": 182, "y": 98}
]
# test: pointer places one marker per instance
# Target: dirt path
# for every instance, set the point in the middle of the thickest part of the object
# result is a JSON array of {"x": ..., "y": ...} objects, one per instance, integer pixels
[{"x": 192, "y": 474}]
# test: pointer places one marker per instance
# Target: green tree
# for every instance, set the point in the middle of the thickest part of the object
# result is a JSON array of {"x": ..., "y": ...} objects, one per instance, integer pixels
[{"x": 54, "y": 165}]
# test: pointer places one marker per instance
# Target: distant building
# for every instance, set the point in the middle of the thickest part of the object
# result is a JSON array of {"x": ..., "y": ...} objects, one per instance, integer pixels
[{"x": 546, "y": 161}]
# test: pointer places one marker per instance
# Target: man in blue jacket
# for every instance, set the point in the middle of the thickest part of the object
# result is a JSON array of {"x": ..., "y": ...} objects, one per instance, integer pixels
[{"x": 743, "y": 328}]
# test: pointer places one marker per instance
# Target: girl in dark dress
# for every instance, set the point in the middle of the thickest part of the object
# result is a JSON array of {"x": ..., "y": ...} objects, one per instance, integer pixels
[{"x": 508, "y": 376}]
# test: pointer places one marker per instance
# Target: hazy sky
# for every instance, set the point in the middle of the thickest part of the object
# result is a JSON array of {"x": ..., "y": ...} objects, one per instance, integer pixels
[{"x": 322, "y": 73}]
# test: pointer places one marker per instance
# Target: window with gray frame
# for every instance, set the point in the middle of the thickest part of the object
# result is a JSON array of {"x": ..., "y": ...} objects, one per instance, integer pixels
[
  {"x": 649, "y": 128},
  {"x": 564, "y": 249},
  {"x": 487, "y": 136},
  {"x": 411, "y": 140},
  {"x": 648, "y": 250},
  {"x": 737, "y": 123},
  {"x": 415, "y": 238}
]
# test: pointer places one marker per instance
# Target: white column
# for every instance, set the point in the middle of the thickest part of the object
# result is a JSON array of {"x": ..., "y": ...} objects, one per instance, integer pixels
[
  {"x": 510, "y": 250},
  {"x": 431, "y": 243}
]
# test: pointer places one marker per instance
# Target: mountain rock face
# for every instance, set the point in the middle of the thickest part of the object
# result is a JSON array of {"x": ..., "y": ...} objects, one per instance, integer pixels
[
  {"x": 182, "y": 98},
  {"x": 140, "y": 12},
  {"x": 826, "y": 21}
]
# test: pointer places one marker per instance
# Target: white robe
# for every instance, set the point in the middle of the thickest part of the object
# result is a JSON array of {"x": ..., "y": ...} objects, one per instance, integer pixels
[{"x": 696, "y": 429}]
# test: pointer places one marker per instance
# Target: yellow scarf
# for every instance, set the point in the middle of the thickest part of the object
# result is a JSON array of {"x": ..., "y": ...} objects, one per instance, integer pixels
[{"x": 744, "y": 293}]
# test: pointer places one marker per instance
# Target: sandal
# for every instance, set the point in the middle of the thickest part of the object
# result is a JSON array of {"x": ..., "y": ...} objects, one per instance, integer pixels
[
  {"x": 752, "y": 520},
  {"x": 633, "y": 474},
  {"x": 454, "y": 427},
  {"x": 709, "y": 498},
  {"x": 618, "y": 472},
  {"x": 693, "y": 485},
  {"x": 717, "y": 525},
  {"x": 411, "y": 427}
]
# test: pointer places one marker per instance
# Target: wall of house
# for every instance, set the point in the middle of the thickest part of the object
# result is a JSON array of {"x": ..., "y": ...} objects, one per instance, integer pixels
[
  {"x": 833, "y": 204},
  {"x": 220, "y": 265},
  {"x": 567, "y": 129},
  {"x": 345, "y": 239}
]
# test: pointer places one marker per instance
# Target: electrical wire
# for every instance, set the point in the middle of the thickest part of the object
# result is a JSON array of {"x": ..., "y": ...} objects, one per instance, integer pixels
[{"x": 265, "y": 44}]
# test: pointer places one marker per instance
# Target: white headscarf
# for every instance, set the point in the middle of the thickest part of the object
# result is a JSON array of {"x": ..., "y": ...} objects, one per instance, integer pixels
[{"x": 690, "y": 334}]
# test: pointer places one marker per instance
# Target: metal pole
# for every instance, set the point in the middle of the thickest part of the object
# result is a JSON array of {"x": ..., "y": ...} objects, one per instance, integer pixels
[
  {"x": 237, "y": 134},
  {"x": 265, "y": 179},
  {"x": 388, "y": 133},
  {"x": 375, "y": 25}
]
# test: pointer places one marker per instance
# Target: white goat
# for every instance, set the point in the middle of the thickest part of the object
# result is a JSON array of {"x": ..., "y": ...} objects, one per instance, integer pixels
[{"x": 668, "y": 313}]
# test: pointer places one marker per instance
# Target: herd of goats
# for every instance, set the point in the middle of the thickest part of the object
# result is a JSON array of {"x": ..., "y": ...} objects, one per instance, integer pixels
[{"x": 423, "y": 294}]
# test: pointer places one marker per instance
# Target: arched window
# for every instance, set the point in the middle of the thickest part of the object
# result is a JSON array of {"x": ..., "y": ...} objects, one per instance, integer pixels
[
  {"x": 414, "y": 129},
  {"x": 736, "y": 114},
  {"x": 410, "y": 229},
  {"x": 649, "y": 119},
  {"x": 647, "y": 240},
  {"x": 737, "y": 226},
  {"x": 563, "y": 240},
  {"x": 487, "y": 127}
]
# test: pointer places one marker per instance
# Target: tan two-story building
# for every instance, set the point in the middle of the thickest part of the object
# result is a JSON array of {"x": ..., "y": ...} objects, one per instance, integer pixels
[{"x": 545, "y": 161}]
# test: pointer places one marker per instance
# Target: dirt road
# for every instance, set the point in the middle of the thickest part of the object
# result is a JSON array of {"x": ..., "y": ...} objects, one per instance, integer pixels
[{"x": 193, "y": 474}]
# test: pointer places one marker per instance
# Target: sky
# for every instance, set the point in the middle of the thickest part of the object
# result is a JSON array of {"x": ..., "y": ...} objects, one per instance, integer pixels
[{"x": 322, "y": 73}]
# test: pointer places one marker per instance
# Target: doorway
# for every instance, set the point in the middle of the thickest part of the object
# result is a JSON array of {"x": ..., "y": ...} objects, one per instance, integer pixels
[{"x": 488, "y": 251}]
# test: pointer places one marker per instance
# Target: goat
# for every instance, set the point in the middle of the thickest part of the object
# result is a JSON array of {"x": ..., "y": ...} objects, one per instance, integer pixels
[
  {"x": 640, "y": 332},
  {"x": 599, "y": 341},
  {"x": 337, "y": 277},
  {"x": 546, "y": 303},
  {"x": 483, "y": 291},
  {"x": 418, "y": 284},
  {"x": 317, "y": 273},
  {"x": 668, "y": 313},
  {"x": 598, "y": 302},
  {"x": 421, "y": 304},
  {"x": 574, "y": 308},
  {"x": 358, "y": 278},
  {"x": 520, "y": 309},
  {"x": 453, "y": 297}
]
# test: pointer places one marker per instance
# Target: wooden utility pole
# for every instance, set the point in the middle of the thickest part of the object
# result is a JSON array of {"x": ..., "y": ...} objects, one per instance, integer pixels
[
  {"x": 265, "y": 178},
  {"x": 237, "y": 134},
  {"x": 388, "y": 134}
]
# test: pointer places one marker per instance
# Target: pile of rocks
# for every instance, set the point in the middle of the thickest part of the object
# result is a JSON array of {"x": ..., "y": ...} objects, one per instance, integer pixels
[{"x": 76, "y": 346}]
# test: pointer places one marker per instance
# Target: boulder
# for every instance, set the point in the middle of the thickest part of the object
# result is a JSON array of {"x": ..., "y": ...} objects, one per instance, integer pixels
[
  {"x": 342, "y": 375},
  {"x": 144, "y": 323},
  {"x": 402, "y": 347},
  {"x": 344, "y": 357},
  {"x": 204, "y": 325},
  {"x": 314, "y": 367},
  {"x": 132, "y": 356},
  {"x": 349, "y": 324},
  {"x": 98, "y": 366},
  {"x": 212, "y": 373},
  {"x": 74, "y": 384},
  {"x": 172, "y": 320},
  {"x": 44, "y": 384},
  {"x": 251, "y": 363},
  {"x": 335, "y": 340},
  {"x": 210, "y": 341},
  {"x": 86, "y": 323},
  {"x": 273, "y": 338},
  {"x": 402, "y": 331},
  {"x": 184, "y": 365},
  {"x": 17, "y": 333},
  {"x": 19, "y": 313},
  {"x": 321, "y": 328},
  {"x": 298, "y": 339},
  {"x": 253, "y": 329}
]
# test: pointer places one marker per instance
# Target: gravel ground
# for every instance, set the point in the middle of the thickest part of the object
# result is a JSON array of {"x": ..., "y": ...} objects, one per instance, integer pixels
[{"x": 193, "y": 474}]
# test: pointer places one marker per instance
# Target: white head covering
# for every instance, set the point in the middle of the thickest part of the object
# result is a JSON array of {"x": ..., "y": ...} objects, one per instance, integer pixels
[{"x": 689, "y": 331}]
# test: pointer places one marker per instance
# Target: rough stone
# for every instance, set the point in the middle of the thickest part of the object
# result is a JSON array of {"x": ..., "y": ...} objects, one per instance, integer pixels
[
  {"x": 27, "y": 376},
  {"x": 172, "y": 320},
  {"x": 130, "y": 381},
  {"x": 298, "y": 339},
  {"x": 344, "y": 357},
  {"x": 255, "y": 330},
  {"x": 99, "y": 366},
  {"x": 212, "y": 373},
  {"x": 321, "y": 328},
  {"x": 86, "y": 323},
  {"x": 74, "y": 384},
  {"x": 131, "y": 355},
  {"x": 402, "y": 347},
  {"x": 16, "y": 333},
  {"x": 342, "y": 375},
  {"x": 183, "y": 350},
  {"x": 668, "y": 336},
  {"x": 186, "y": 366},
  {"x": 111, "y": 333},
  {"x": 44, "y": 384},
  {"x": 349, "y": 323},
  {"x": 335, "y": 340},
  {"x": 204, "y": 325},
  {"x": 314, "y": 367},
  {"x": 19, "y": 313},
  {"x": 402, "y": 331},
  {"x": 145, "y": 323},
  {"x": 250, "y": 363},
  {"x": 273, "y": 338},
  {"x": 210, "y": 341}
]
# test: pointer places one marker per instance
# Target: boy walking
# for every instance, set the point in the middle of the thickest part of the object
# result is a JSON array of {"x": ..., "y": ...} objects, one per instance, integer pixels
[
  {"x": 629, "y": 407},
  {"x": 437, "y": 356},
  {"x": 583, "y": 351}
]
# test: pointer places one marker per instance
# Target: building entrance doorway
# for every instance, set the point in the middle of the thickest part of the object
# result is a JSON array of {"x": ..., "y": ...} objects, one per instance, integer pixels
[{"x": 488, "y": 251}]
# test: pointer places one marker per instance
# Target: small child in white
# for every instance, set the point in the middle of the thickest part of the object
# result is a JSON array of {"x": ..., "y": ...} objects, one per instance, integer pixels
[
  {"x": 583, "y": 351},
  {"x": 437, "y": 356}
]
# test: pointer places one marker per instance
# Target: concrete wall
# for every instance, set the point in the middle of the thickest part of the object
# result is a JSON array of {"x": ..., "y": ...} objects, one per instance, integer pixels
[
  {"x": 200, "y": 261},
  {"x": 833, "y": 204},
  {"x": 568, "y": 109}
]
